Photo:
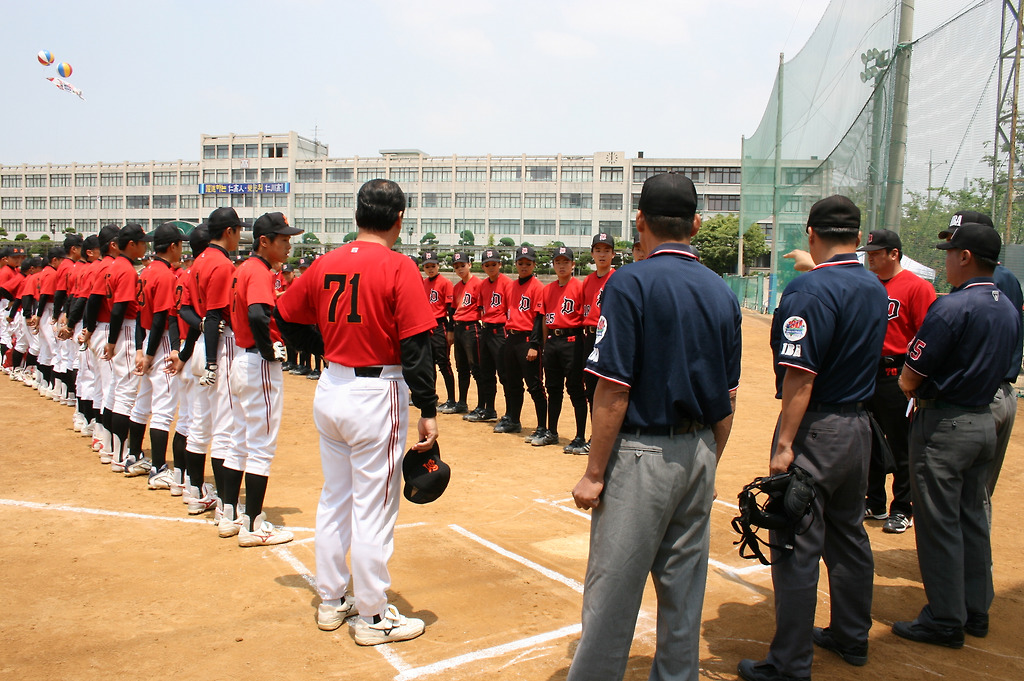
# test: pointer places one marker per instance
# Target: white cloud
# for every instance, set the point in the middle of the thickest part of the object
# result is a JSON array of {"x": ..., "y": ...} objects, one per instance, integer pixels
[{"x": 564, "y": 45}]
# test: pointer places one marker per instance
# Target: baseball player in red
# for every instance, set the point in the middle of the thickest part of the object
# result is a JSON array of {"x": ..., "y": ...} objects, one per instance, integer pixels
[
  {"x": 369, "y": 306},
  {"x": 525, "y": 337},
  {"x": 256, "y": 384},
  {"x": 41, "y": 316},
  {"x": 64, "y": 366},
  {"x": 10, "y": 278},
  {"x": 466, "y": 331},
  {"x": 562, "y": 307},
  {"x": 20, "y": 286},
  {"x": 87, "y": 386},
  {"x": 439, "y": 295},
  {"x": 494, "y": 314},
  {"x": 602, "y": 249}
]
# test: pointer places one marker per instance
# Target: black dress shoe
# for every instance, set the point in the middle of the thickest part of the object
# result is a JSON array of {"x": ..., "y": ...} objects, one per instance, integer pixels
[
  {"x": 751, "y": 670},
  {"x": 977, "y": 625},
  {"x": 914, "y": 631},
  {"x": 855, "y": 655}
]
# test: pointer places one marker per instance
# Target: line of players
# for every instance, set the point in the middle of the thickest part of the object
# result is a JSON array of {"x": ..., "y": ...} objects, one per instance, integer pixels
[
  {"x": 517, "y": 332},
  {"x": 185, "y": 346}
]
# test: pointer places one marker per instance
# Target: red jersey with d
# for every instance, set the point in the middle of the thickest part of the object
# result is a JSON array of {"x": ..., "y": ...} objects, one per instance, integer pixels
[
  {"x": 466, "y": 298},
  {"x": 562, "y": 306}
]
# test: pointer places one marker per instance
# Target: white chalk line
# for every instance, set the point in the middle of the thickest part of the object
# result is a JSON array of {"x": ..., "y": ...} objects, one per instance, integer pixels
[
  {"x": 550, "y": 574},
  {"x": 284, "y": 553}
]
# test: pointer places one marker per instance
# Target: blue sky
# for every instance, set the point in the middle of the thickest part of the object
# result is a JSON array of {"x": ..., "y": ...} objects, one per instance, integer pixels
[{"x": 672, "y": 78}]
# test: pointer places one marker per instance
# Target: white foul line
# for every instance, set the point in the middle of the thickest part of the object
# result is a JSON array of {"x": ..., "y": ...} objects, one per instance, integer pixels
[
  {"x": 287, "y": 556},
  {"x": 550, "y": 574}
]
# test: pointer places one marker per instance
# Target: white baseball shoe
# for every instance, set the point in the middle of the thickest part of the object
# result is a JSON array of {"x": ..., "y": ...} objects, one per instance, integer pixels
[
  {"x": 135, "y": 467},
  {"x": 202, "y": 501},
  {"x": 177, "y": 485},
  {"x": 228, "y": 524},
  {"x": 393, "y": 626},
  {"x": 330, "y": 617},
  {"x": 160, "y": 478},
  {"x": 264, "y": 533}
]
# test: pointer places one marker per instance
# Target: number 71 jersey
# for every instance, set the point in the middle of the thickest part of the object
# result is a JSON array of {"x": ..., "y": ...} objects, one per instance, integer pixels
[{"x": 365, "y": 299}]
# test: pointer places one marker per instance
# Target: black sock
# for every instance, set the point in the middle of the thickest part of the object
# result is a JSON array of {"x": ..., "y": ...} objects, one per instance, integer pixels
[
  {"x": 158, "y": 447},
  {"x": 120, "y": 424},
  {"x": 232, "y": 486},
  {"x": 31, "y": 361},
  {"x": 255, "y": 493},
  {"x": 581, "y": 417},
  {"x": 218, "y": 475},
  {"x": 136, "y": 431},
  {"x": 16, "y": 358},
  {"x": 105, "y": 418},
  {"x": 178, "y": 450},
  {"x": 195, "y": 464}
]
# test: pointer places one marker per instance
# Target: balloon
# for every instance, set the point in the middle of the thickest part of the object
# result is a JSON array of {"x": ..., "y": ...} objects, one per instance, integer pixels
[
  {"x": 64, "y": 69},
  {"x": 45, "y": 57}
]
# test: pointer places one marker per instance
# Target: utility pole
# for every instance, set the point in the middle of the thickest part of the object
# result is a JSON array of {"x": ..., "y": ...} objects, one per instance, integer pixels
[
  {"x": 898, "y": 137},
  {"x": 1012, "y": 167}
]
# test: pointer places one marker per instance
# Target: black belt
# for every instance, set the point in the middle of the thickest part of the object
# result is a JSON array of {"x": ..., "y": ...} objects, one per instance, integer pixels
[
  {"x": 681, "y": 428},
  {"x": 253, "y": 350},
  {"x": 589, "y": 330},
  {"x": 942, "y": 404},
  {"x": 466, "y": 325},
  {"x": 494, "y": 325},
  {"x": 516, "y": 332},
  {"x": 565, "y": 332},
  {"x": 368, "y": 372},
  {"x": 845, "y": 408}
]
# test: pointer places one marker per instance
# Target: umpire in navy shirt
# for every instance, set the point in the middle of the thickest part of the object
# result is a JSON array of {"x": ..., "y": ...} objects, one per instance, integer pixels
[
  {"x": 956, "y": 361},
  {"x": 826, "y": 338},
  {"x": 667, "y": 358}
]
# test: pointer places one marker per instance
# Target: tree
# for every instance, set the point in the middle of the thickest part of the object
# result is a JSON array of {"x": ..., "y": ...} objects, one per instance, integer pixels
[
  {"x": 310, "y": 238},
  {"x": 490, "y": 240},
  {"x": 505, "y": 241},
  {"x": 466, "y": 238},
  {"x": 754, "y": 245},
  {"x": 21, "y": 237},
  {"x": 45, "y": 237},
  {"x": 351, "y": 236},
  {"x": 623, "y": 245},
  {"x": 718, "y": 243},
  {"x": 429, "y": 239},
  {"x": 3, "y": 232}
]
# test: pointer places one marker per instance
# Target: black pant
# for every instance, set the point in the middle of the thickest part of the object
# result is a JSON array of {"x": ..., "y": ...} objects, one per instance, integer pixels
[
  {"x": 519, "y": 369},
  {"x": 589, "y": 380},
  {"x": 492, "y": 364},
  {"x": 563, "y": 365},
  {"x": 889, "y": 407},
  {"x": 467, "y": 355},
  {"x": 439, "y": 348}
]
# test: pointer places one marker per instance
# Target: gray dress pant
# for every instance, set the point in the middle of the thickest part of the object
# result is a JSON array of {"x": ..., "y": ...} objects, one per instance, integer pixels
[
  {"x": 654, "y": 518},
  {"x": 836, "y": 450},
  {"x": 1004, "y": 411},
  {"x": 951, "y": 454}
]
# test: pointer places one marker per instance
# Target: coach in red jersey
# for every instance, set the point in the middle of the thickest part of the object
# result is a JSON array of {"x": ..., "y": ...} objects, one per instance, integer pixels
[{"x": 910, "y": 296}]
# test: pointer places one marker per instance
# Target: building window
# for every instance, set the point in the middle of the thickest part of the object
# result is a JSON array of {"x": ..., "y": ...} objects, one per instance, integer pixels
[
  {"x": 724, "y": 175},
  {"x": 538, "y": 227},
  {"x": 274, "y": 200},
  {"x": 539, "y": 201},
  {"x": 340, "y": 174},
  {"x": 85, "y": 202},
  {"x": 10, "y": 203},
  {"x": 35, "y": 225},
  {"x": 189, "y": 177},
  {"x": 642, "y": 173},
  {"x": 404, "y": 175},
  {"x": 436, "y": 200},
  {"x": 470, "y": 200},
  {"x": 409, "y": 224},
  {"x": 796, "y": 175},
  {"x": 137, "y": 202},
  {"x": 85, "y": 179},
  {"x": 111, "y": 179},
  {"x": 476, "y": 226},
  {"x": 243, "y": 175},
  {"x": 340, "y": 201},
  {"x": 366, "y": 174},
  {"x": 635, "y": 201},
  {"x": 612, "y": 227},
  {"x": 11, "y": 226},
  {"x": 60, "y": 226},
  {"x": 216, "y": 200},
  {"x": 611, "y": 202},
  {"x": 411, "y": 200},
  {"x": 165, "y": 178},
  {"x": 577, "y": 200},
  {"x": 60, "y": 203},
  {"x": 86, "y": 225},
  {"x": 574, "y": 227},
  {"x": 244, "y": 151},
  {"x": 308, "y": 200},
  {"x": 165, "y": 201},
  {"x": 506, "y": 201},
  {"x": 60, "y": 180},
  {"x": 274, "y": 175},
  {"x": 540, "y": 173},
  {"x": 35, "y": 203},
  {"x": 243, "y": 200},
  {"x": 340, "y": 225},
  {"x": 35, "y": 180},
  {"x": 437, "y": 174},
  {"x": 111, "y": 202},
  {"x": 222, "y": 151},
  {"x": 437, "y": 225},
  {"x": 611, "y": 174},
  {"x": 470, "y": 174},
  {"x": 275, "y": 150},
  {"x": 10, "y": 182},
  {"x": 506, "y": 173},
  {"x": 303, "y": 175},
  {"x": 722, "y": 202},
  {"x": 308, "y": 224},
  {"x": 191, "y": 201},
  {"x": 209, "y": 151},
  {"x": 577, "y": 174}
]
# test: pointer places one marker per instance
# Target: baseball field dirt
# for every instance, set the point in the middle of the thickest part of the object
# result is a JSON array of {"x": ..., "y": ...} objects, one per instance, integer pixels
[{"x": 104, "y": 579}]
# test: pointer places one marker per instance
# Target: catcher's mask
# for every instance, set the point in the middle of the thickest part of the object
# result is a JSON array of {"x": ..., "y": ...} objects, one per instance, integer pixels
[{"x": 788, "y": 503}]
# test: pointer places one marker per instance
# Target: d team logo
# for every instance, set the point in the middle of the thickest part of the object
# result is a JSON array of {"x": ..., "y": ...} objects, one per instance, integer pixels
[
  {"x": 794, "y": 328},
  {"x": 495, "y": 299},
  {"x": 568, "y": 306},
  {"x": 524, "y": 303},
  {"x": 894, "y": 309},
  {"x": 467, "y": 299},
  {"x": 434, "y": 296}
]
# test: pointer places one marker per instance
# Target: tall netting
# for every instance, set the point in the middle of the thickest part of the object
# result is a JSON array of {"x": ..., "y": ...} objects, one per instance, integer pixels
[{"x": 828, "y": 126}]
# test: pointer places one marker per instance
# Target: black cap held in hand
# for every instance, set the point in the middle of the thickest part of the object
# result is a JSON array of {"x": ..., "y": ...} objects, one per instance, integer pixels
[{"x": 426, "y": 476}]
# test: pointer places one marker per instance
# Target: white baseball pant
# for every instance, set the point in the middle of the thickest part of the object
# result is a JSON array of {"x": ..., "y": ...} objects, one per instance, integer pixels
[
  {"x": 158, "y": 392},
  {"x": 88, "y": 384},
  {"x": 213, "y": 424},
  {"x": 124, "y": 381},
  {"x": 258, "y": 389},
  {"x": 47, "y": 341},
  {"x": 103, "y": 370},
  {"x": 5, "y": 327},
  {"x": 362, "y": 424},
  {"x": 20, "y": 332},
  {"x": 186, "y": 397}
]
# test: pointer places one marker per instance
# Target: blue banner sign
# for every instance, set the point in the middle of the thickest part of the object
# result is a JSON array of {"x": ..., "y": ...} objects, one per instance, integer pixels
[{"x": 246, "y": 188}]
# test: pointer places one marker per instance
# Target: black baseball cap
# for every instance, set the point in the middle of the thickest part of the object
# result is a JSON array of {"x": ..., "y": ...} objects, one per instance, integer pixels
[
  {"x": 167, "y": 234},
  {"x": 16, "y": 251},
  {"x": 490, "y": 255},
  {"x": 223, "y": 218},
  {"x": 834, "y": 212},
  {"x": 460, "y": 257},
  {"x": 670, "y": 195},
  {"x": 287, "y": 268},
  {"x": 91, "y": 243},
  {"x": 882, "y": 239},
  {"x": 305, "y": 262},
  {"x": 270, "y": 224},
  {"x": 979, "y": 239},
  {"x": 526, "y": 252},
  {"x": 133, "y": 232},
  {"x": 962, "y": 217},
  {"x": 199, "y": 239},
  {"x": 603, "y": 238},
  {"x": 430, "y": 257},
  {"x": 56, "y": 252},
  {"x": 426, "y": 476},
  {"x": 566, "y": 252},
  {"x": 107, "y": 234}
]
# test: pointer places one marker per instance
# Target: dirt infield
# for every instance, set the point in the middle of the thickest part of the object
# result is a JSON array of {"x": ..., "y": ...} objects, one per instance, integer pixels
[{"x": 103, "y": 579}]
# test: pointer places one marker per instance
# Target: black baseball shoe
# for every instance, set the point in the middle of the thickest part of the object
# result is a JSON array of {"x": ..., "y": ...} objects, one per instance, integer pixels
[
  {"x": 538, "y": 432},
  {"x": 313, "y": 376},
  {"x": 460, "y": 408},
  {"x": 472, "y": 416},
  {"x": 507, "y": 425},
  {"x": 549, "y": 437},
  {"x": 575, "y": 446},
  {"x": 483, "y": 415},
  {"x": 950, "y": 637},
  {"x": 855, "y": 655},
  {"x": 446, "y": 407}
]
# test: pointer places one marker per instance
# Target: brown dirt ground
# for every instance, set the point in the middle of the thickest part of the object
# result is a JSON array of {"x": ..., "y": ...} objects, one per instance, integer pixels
[{"x": 90, "y": 596}]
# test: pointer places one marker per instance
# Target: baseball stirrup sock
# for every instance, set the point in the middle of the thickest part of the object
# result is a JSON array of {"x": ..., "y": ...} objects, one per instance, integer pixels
[
  {"x": 195, "y": 465},
  {"x": 136, "y": 431},
  {"x": 119, "y": 427},
  {"x": 157, "y": 447},
  {"x": 255, "y": 493},
  {"x": 218, "y": 475},
  {"x": 178, "y": 451},
  {"x": 232, "y": 486}
]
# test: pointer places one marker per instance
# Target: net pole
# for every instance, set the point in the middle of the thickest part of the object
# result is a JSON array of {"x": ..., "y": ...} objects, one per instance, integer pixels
[
  {"x": 898, "y": 136},
  {"x": 1013, "y": 128},
  {"x": 776, "y": 182}
]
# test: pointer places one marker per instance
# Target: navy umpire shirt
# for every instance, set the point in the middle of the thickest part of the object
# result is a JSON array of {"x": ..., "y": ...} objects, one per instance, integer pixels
[
  {"x": 831, "y": 322},
  {"x": 1008, "y": 284},
  {"x": 670, "y": 331}
]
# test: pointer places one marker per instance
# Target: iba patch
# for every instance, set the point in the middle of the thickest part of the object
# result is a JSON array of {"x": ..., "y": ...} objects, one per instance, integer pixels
[
  {"x": 602, "y": 326},
  {"x": 794, "y": 329}
]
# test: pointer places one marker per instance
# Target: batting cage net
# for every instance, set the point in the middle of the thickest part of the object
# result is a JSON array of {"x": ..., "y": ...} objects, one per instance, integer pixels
[{"x": 906, "y": 128}]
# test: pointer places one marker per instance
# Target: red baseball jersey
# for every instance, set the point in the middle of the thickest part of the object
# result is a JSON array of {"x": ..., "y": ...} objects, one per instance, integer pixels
[
  {"x": 254, "y": 284},
  {"x": 5, "y": 274},
  {"x": 494, "y": 299},
  {"x": 156, "y": 291},
  {"x": 101, "y": 287},
  {"x": 524, "y": 294},
  {"x": 46, "y": 285},
  {"x": 910, "y": 296},
  {"x": 28, "y": 286},
  {"x": 365, "y": 298},
  {"x": 13, "y": 281},
  {"x": 439, "y": 294},
  {"x": 466, "y": 299},
  {"x": 562, "y": 306},
  {"x": 593, "y": 292},
  {"x": 84, "y": 279},
  {"x": 181, "y": 294},
  {"x": 123, "y": 285},
  {"x": 64, "y": 270},
  {"x": 210, "y": 281}
]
